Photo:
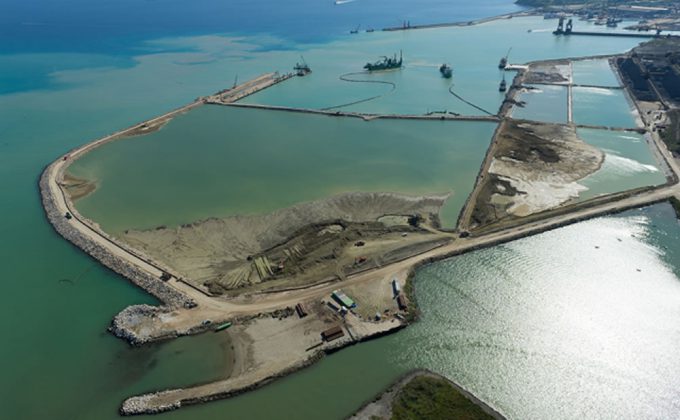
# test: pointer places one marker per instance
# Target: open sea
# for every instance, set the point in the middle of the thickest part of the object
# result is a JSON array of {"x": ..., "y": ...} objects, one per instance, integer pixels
[{"x": 580, "y": 322}]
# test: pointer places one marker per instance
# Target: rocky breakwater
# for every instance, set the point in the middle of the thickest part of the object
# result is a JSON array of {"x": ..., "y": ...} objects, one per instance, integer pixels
[
  {"x": 170, "y": 297},
  {"x": 263, "y": 354}
]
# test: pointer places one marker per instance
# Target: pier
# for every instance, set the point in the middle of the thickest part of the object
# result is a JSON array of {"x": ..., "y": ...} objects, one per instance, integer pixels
[
  {"x": 567, "y": 30},
  {"x": 248, "y": 88},
  {"x": 614, "y": 34},
  {"x": 570, "y": 95},
  {"x": 407, "y": 25}
]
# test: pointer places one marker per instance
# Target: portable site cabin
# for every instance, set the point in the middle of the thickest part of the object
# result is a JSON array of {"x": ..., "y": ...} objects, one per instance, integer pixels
[{"x": 343, "y": 299}]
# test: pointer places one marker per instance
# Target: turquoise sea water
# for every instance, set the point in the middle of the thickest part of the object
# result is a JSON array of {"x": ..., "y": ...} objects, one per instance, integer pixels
[{"x": 97, "y": 67}]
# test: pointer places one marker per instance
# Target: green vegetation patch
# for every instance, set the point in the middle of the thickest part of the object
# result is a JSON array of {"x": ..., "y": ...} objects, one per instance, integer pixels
[
  {"x": 676, "y": 205},
  {"x": 425, "y": 397}
]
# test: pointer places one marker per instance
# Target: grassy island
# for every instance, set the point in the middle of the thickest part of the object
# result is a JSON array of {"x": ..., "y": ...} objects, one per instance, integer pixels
[
  {"x": 426, "y": 397},
  {"x": 422, "y": 394}
]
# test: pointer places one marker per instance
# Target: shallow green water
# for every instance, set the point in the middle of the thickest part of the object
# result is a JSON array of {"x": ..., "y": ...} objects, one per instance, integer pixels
[
  {"x": 220, "y": 161},
  {"x": 628, "y": 163}
]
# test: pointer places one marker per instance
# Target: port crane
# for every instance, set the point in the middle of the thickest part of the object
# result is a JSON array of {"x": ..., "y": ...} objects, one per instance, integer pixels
[
  {"x": 504, "y": 60},
  {"x": 302, "y": 69}
]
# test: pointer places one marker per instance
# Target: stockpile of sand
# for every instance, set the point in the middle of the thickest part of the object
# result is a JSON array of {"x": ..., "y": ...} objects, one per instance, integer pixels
[{"x": 205, "y": 250}]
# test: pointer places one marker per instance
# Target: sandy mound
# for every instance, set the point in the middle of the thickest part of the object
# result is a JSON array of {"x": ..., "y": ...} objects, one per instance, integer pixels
[
  {"x": 206, "y": 250},
  {"x": 535, "y": 167}
]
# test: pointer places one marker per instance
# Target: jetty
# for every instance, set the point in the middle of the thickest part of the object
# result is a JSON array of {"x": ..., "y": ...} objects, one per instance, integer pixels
[
  {"x": 566, "y": 30},
  {"x": 615, "y": 34},
  {"x": 248, "y": 88},
  {"x": 408, "y": 26}
]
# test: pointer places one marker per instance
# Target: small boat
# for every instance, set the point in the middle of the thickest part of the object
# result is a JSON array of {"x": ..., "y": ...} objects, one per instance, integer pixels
[
  {"x": 503, "y": 86},
  {"x": 222, "y": 326}
]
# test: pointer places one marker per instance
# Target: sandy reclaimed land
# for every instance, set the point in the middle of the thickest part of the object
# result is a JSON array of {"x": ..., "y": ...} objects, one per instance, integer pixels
[
  {"x": 553, "y": 72},
  {"x": 222, "y": 250},
  {"x": 266, "y": 347},
  {"x": 535, "y": 167}
]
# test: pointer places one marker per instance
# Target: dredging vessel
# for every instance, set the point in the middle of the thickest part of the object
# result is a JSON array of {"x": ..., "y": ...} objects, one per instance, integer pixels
[
  {"x": 504, "y": 60},
  {"x": 302, "y": 69},
  {"x": 446, "y": 71},
  {"x": 386, "y": 63},
  {"x": 503, "y": 86}
]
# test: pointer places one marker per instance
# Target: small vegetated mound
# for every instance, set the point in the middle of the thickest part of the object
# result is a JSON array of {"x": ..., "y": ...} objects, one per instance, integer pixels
[
  {"x": 422, "y": 394},
  {"x": 675, "y": 202},
  {"x": 428, "y": 397}
]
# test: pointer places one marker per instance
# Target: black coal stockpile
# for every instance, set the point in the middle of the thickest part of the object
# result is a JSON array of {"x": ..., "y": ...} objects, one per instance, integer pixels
[{"x": 635, "y": 77}]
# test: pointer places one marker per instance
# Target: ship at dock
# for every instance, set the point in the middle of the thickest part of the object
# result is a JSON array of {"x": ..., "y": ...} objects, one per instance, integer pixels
[
  {"x": 387, "y": 63},
  {"x": 446, "y": 71}
]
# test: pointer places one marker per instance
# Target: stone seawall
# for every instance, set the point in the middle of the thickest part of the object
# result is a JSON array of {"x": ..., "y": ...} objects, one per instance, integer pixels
[
  {"x": 142, "y": 404},
  {"x": 171, "y": 298}
]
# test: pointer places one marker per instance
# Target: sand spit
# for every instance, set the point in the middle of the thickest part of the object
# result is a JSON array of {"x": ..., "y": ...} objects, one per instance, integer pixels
[
  {"x": 238, "y": 251},
  {"x": 77, "y": 187},
  {"x": 268, "y": 346},
  {"x": 535, "y": 167},
  {"x": 381, "y": 406}
]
